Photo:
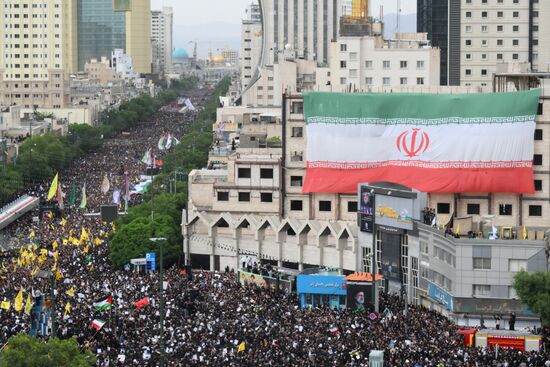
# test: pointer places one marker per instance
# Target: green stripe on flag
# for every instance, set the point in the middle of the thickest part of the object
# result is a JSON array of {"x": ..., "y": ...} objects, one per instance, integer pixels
[{"x": 344, "y": 106}]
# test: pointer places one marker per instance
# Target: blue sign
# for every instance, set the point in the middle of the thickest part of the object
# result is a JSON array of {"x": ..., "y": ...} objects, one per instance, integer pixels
[
  {"x": 321, "y": 284},
  {"x": 151, "y": 261},
  {"x": 441, "y": 296}
]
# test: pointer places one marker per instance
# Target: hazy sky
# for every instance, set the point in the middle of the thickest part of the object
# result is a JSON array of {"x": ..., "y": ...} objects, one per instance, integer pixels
[{"x": 192, "y": 12}]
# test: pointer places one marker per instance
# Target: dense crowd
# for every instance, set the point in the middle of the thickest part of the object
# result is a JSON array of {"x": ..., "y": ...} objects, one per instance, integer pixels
[{"x": 210, "y": 319}]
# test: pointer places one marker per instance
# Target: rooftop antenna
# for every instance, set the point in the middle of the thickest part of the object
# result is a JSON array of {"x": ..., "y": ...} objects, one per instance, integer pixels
[{"x": 398, "y": 22}]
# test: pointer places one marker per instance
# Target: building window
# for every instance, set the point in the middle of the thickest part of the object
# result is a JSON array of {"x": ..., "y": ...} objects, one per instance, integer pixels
[
  {"x": 481, "y": 290},
  {"x": 499, "y": 57},
  {"x": 472, "y": 209},
  {"x": 483, "y": 56},
  {"x": 386, "y": 64},
  {"x": 484, "y": 14},
  {"x": 353, "y": 56},
  {"x": 296, "y": 205},
  {"x": 352, "y": 206},
  {"x": 538, "y": 185},
  {"x": 420, "y": 81},
  {"x": 403, "y": 64},
  {"x": 500, "y": 14},
  {"x": 515, "y": 28},
  {"x": 343, "y": 64},
  {"x": 517, "y": 265},
  {"x": 500, "y": 42},
  {"x": 538, "y": 134},
  {"x": 386, "y": 81},
  {"x": 515, "y": 14},
  {"x": 500, "y": 28},
  {"x": 266, "y": 172},
  {"x": 515, "y": 42},
  {"x": 484, "y": 28},
  {"x": 420, "y": 64},
  {"x": 325, "y": 205},
  {"x": 343, "y": 47},
  {"x": 505, "y": 209},
  {"x": 368, "y": 81},
  {"x": 483, "y": 43},
  {"x": 537, "y": 160},
  {"x": 403, "y": 81},
  {"x": 297, "y": 132},
  {"x": 223, "y": 195},
  {"x": 540, "y": 109},
  {"x": 468, "y": 42},
  {"x": 481, "y": 263},
  {"x": 244, "y": 172},
  {"x": 468, "y": 71},
  {"x": 535, "y": 210},
  {"x": 297, "y": 107},
  {"x": 343, "y": 81},
  {"x": 244, "y": 196},
  {"x": 515, "y": 56},
  {"x": 468, "y": 14},
  {"x": 296, "y": 181},
  {"x": 484, "y": 72},
  {"x": 468, "y": 56},
  {"x": 266, "y": 197},
  {"x": 368, "y": 64},
  {"x": 443, "y": 208}
]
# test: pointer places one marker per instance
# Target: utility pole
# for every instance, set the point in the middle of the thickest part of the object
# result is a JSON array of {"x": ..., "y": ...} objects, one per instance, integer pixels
[{"x": 161, "y": 241}]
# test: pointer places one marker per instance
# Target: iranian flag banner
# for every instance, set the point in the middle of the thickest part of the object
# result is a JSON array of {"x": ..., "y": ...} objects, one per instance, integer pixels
[
  {"x": 98, "y": 324},
  {"x": 428, "y": 142}
]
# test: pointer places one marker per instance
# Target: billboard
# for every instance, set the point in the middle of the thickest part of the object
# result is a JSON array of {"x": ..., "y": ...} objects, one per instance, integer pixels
[
  {"x": 321, "y": 284},
  {"x": 441, "y": 296},
  {"x": 366, "y": 209},
  {"x": 359, "y": 297},
  {"x": 394, "y": 211},
  {"x": 246, "y": 278},
  {"x": 445, "y": 143}
]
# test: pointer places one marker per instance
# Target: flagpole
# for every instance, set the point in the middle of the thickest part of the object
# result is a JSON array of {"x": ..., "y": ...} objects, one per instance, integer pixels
[{"x": 126, "y": 193}]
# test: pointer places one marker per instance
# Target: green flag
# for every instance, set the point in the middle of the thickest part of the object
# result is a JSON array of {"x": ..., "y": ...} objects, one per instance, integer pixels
[
  {"x": 72, "y": 198},
  {"x": 83, "y": 201}
]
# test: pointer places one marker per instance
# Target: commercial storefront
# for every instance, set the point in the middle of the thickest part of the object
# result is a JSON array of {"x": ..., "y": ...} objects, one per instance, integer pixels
[{"x": 322, "y": 290}]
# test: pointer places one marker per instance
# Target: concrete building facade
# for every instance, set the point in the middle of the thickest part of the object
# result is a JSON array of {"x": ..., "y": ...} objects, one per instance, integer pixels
[
  {"x": 480, "y": 34},
  {"x": 100, "y": 70},
  {"x": 138, "y": 35},
  {"x": 37, "y": 52},
  {"x": 162, "y": 25}
]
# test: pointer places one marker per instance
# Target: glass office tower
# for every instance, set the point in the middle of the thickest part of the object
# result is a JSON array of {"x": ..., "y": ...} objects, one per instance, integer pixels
[{"x": 100, "y": 30}]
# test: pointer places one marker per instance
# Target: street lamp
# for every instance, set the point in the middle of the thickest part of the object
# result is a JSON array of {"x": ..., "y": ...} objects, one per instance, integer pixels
[{"x": 161, "y": 241}]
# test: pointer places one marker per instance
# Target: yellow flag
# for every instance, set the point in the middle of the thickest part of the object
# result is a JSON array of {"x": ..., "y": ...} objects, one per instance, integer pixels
[
  {"x": 86, "y": 249},
  {"x": 35, "y": 270},
  {"x": 458, "y": 228},
  {"x": 58, "y": 275},
  {"x": 241, "y": 347},
  {"x": 54, "y": 245},
  {"x": 70, "y": 292},
  {"x": 63, "y": 222},
  {"x": 28, "y": 305},
  {"x": 67, "y": 309},
  {"x": 32, "y": 234},
  {"x": 92, "y": 267},
  {"x": 524, "y": 232},
  {"x": 54, "y": 267},
  {"x": 84, "y": 235},
  {"x": 5, "y": 305},
  {"x": 97, "y": 241},
  {"x": 50, "y": 215},
  {"x": 18, "y": 303},
  {"x": 55, "y": 255},
  {"x": 53, "y": 188},
  {"x": 65, "y": 241}
]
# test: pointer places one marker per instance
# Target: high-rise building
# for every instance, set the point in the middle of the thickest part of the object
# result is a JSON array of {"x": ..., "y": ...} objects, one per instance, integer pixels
[
  {"x": 251, "y": 44},
  {"x": 253, "y": 12},
  {"x": 104, "y": 25},
  {"x": 306, "y": 26},
  {"x": 161, "y": 35},
  {"x": 476, "y": 35},
  {"x": 138, "y": 35},
  {"x": 100, "y": 30},
  {"x": 37, "y": 52}
]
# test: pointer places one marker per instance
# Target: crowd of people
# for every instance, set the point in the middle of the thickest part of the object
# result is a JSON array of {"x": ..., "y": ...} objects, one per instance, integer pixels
[{"x": 211, "y": 319}]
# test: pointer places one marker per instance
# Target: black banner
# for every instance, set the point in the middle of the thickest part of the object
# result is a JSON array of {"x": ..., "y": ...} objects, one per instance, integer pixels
[
  {"x": 366, "y": 210},
  {"x": 391, "y": 256}
]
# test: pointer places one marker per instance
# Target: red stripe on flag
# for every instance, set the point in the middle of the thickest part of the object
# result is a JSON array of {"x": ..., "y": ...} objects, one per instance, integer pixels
[{"x": 446, "y": 180}]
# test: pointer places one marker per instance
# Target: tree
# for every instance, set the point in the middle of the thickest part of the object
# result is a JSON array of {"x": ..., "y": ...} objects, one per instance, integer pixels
[
  {"x": 534, "y": 291},
  {"x": 85, "y": 138},
  {"x": 133, "y": 240},
  {"x": 24, "y": 350},
  {"x": 11, "y": 182}
]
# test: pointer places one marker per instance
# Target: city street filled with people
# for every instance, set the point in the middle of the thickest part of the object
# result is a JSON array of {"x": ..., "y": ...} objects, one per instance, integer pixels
[{"x": 211, "y": 320}]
